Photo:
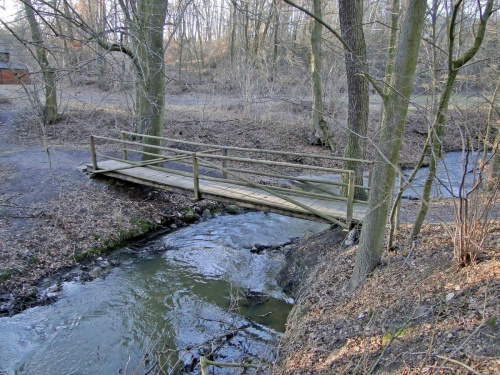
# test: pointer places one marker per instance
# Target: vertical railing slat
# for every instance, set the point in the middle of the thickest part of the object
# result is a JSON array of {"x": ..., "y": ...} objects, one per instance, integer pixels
[
  {"x": 224, "y": 163},
  {"x": 93, "y": 153},
  {"x": 196, "y": 181},
  {"x": 124, "y": 146},
  {"x": 350, "y": 198}
]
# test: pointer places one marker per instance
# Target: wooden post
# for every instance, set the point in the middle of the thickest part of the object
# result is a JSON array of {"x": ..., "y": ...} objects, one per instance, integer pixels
[
  {"x": 350, "y": 199},
  {"x": 196, "y": 181},
  {"x": 92, "y": 153},
  {"x": 224, "y": 162},
  {"x": 124, "y": 138}
]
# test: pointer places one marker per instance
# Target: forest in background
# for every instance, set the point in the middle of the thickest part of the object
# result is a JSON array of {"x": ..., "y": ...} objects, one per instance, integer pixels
[{"x": 328, "y": 56}]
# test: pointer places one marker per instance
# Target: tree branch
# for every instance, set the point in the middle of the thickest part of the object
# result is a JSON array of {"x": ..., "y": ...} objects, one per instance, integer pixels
[{"x": 367, "y": 75}]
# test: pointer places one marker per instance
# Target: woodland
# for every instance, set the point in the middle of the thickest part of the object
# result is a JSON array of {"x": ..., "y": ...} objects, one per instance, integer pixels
[{"x": 398, "y": 83}]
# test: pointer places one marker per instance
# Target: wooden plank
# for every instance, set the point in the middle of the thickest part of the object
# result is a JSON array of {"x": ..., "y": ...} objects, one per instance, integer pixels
[{"x": 243, "y": 195}]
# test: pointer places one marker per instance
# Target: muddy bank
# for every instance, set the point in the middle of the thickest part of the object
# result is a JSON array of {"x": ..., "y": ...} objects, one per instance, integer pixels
[
  {"x": 304, "y": 256},
  {"x": 48, "y": 240},
  {"x": 417, "y": 313}
]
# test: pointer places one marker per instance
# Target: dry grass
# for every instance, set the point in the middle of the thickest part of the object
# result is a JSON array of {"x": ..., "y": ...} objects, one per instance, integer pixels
[
  {"x": 415, "y": 311},
  {"x": 80, "y": 223}
]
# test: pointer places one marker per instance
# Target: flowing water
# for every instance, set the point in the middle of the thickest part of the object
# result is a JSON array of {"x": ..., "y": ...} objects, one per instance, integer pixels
[
  {"x": 179, "y": 298},
  {"x": 450, "y": 175},
  {"x": 452, "y": 172}
]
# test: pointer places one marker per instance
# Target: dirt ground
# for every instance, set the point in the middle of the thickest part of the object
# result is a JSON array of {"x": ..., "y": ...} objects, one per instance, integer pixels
[
  {"x": 52, "y": 216},
  {"x": 417, "y": 313}
]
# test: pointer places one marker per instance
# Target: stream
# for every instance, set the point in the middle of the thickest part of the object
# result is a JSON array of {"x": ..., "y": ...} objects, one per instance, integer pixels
[
  {"x": 170, "y": 301},
  {"x": 450, "y": 173}
]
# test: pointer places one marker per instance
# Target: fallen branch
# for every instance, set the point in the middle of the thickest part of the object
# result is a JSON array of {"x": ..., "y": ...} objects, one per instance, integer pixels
[
  {"x": 204, "y": 363},
  {"x": 459, "y": 363},
  {"x": 460, "y": 346}
]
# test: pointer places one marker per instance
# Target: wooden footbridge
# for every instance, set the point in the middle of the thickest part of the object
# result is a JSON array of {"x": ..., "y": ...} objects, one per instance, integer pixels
[{"x": 233, "y": 175}]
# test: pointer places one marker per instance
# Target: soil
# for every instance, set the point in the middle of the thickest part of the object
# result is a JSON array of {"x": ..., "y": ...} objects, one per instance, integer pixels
[
  {"x": 417, "y": 313},
  {"x": 414, "y": 312},
  {"x": 52, "y": 215}
]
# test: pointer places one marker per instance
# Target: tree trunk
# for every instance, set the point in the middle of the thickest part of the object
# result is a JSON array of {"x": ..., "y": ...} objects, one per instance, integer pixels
[
  {"x": 49, "y": 76},
  {"x": 156, "y": 78},
  {"x": 351, "y": 21},
  {"x": 233, "y": 31},
  {"x": 275, "y": 41},
  {"x": 103, "y": 79},
  {"x": 436, "y": 152},
  {"x": 389, "y": 144},
  {"x": 391, "y": 48},
  {"x": 454, "y": 66},
  {"x": 320, "y": 131},
  {"x": 495, "y": 163},
  {"x": 150, "y": 71}
]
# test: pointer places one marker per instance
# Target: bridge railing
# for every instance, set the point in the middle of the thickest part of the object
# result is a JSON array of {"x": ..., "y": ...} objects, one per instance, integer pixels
[{"x": 212, "y": 157}]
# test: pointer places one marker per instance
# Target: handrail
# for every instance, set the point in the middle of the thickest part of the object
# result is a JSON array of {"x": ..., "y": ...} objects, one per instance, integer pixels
[
  {"x": 256, "y": 150},
  {"x": 200, "y": 158},
  {"x": 230, "y": 158},
  {"x": 285, "y": 198},
  {"x": 280, "y": 163},
  {"x": 142, "y": 144}
]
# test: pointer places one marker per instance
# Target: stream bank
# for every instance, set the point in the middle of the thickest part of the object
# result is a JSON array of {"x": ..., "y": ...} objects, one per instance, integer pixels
[
  {"x": 32, "y": 284},
  {"x": 415, "y": 310},
  {"x": 173, "y": 298}
]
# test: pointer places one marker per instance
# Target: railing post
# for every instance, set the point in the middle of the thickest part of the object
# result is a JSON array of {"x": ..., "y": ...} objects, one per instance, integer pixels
[
  {"x": 124, "y": 147},
  {"x": 224, "y": 162},
  {"x": 93, "y": 153},
  {"x": 350, "y": 198},
  {"x": 196, "y": 181}
]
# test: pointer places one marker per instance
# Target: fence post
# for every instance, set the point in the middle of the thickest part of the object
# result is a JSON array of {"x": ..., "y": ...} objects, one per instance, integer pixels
[
  {"x": 224, "y": 162},
  {"x": 350, "y": 198},
  {"x": 196, "y": 181},
  {"x": 124, "y": 138},
  {"x": 92, "y": 153}
]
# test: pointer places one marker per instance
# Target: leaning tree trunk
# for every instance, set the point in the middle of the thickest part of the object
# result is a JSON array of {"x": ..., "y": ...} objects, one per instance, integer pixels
[
  {"x": 391, "y": 48},
  {"x": 351, "y": 21},
  {"x": 320, "y": 131},
  {"x": 48, "y": 74},
  {"x": 454, "y": 66},
  {"x": 389, "y": 143},
  {"x": 438, "y": 128}
]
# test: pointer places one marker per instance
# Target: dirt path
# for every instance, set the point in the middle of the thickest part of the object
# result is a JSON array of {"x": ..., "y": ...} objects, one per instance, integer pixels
[{"x": 52, "y": 215}]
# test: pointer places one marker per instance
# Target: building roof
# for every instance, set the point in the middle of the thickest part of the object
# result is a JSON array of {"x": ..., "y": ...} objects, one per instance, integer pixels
[{"x": 13, "y": 66}]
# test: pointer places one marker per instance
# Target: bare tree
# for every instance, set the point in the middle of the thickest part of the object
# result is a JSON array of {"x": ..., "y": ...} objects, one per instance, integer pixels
[
  {"x": 48, "y": 73},
  {"x": 389, "y": 142},
  {"x": 438, "y": 127},
  {"x": 320, "y": 132},
  {"x": 351, "y": 23}
]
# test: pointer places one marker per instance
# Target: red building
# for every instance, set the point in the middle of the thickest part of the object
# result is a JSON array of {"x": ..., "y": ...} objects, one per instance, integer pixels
[{"x": 11, "y": 72}]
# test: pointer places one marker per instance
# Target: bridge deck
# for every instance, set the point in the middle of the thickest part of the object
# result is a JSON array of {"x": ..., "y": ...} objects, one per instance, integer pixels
[{"x": 227, "y": 192}]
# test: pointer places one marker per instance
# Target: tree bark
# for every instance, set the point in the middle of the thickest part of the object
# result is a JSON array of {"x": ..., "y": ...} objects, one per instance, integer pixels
[
  {"x": 495, "y": 163},
  {"x": 351, "y": 24},
  {"x": 389, "y": 143},
  {"x": 148, "y": 22},
  {"x": 49, "y": 76},
  {"x": 320, "y": 131},
  {"x": 454, "y": 66}
]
